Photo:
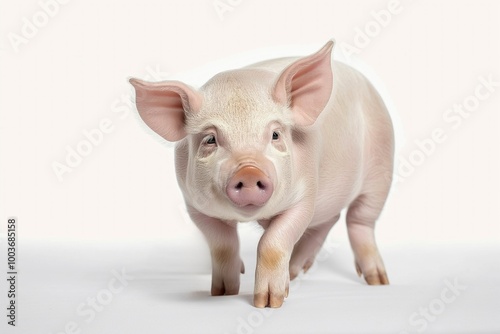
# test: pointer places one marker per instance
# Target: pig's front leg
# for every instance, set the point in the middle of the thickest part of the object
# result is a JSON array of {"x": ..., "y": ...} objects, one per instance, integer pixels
[
  {"x": 222, "y": 238},
  {"x": 272, "y": 276}
]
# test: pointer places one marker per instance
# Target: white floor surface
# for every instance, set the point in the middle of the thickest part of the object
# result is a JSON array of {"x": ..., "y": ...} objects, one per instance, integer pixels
[{"x": 166, "y": 290}]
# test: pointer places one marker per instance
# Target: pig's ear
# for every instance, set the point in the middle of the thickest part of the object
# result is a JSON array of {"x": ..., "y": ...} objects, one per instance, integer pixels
[
  {"x": 162, "y": 106},
  {"x": 306, "y": 85}
]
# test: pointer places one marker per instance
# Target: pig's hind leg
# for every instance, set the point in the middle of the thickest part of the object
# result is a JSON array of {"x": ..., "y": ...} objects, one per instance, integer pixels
[
  {"x": 364, "y": 211},
  {"x": 361, "y": 217},
  {"x": 308, "y": 246}
]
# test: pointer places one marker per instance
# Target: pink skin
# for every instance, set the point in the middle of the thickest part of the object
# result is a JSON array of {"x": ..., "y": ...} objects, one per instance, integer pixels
[
  {"x": 249, "y": 188},
  {"x": 288, "y": 143}
]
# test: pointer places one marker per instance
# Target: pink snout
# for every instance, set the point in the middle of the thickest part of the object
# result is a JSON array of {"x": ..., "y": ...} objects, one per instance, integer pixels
[{"x": 249, "y": 186}]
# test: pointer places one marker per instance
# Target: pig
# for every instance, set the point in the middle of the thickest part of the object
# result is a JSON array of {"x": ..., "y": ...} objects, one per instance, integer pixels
[{"x": 287, "y": 143}]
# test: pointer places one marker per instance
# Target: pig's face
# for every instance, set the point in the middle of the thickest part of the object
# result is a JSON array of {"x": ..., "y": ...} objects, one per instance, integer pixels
[
  {"x": 236, "y": 158},
  {"x": 240, "y": 148}
]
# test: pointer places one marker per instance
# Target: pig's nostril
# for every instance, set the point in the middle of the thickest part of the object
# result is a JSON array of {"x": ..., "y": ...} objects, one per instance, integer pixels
[{"x": 249, "y": 186}]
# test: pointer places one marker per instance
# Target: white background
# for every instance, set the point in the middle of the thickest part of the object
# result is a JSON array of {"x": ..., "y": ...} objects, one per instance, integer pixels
[{"x": 72, "y": 74}]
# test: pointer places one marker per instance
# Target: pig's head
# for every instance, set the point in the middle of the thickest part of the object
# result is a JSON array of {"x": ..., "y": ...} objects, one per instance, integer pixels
[{"x": 239, "y": 133}]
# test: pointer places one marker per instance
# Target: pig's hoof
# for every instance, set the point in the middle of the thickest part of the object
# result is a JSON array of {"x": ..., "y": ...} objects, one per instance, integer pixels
[
  {"x": 227, "y": 282},
  {"x": 373, "y": 276},
  {"x": 272, "y": 279},
  {"x": 225, "y": 289},
  {"x": 265, "y": 299},
  {"x": 272, "y": 290},
  {"x": 272, "y": 294}
]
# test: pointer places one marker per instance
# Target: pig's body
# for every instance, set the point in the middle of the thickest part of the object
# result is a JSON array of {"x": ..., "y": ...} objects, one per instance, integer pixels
[
  {"x": 334, "y": 150},
  {"x": 353, "y": 137}
]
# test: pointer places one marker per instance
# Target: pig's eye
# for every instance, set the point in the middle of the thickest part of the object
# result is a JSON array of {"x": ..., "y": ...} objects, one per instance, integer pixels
[
  {"x": 276, "y": 135},
  {"x": 210, "y": 140}
]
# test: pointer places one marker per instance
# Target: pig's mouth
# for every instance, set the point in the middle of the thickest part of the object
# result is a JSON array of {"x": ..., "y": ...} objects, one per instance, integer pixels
[{"x": 248, "y": 209}]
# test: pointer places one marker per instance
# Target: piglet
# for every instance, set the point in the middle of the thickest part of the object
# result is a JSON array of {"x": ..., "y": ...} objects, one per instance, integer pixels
[{"x": 288, "y": 143}]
